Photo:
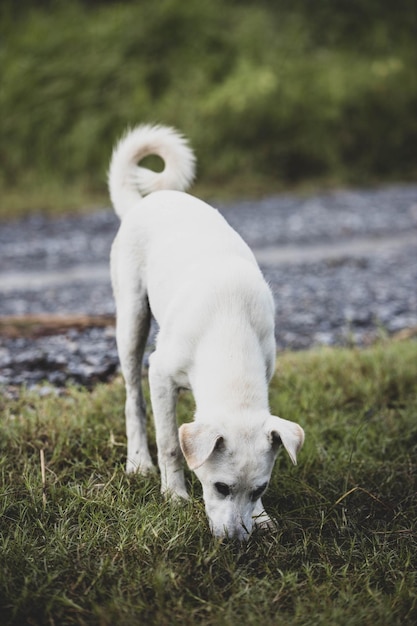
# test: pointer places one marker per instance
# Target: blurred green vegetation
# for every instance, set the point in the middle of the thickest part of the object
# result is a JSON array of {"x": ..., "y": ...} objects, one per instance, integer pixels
[{"x": 271, "y": 94}]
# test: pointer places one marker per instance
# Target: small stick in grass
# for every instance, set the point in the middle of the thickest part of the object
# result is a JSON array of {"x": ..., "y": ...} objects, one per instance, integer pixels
[{"x": 43, "y": 473}]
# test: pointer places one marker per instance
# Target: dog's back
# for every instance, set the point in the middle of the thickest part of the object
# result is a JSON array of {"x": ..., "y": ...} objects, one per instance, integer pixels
[{"x": 176, "y": 243}]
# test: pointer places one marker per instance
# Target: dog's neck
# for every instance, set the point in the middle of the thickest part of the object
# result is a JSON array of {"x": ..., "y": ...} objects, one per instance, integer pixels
[{"x": 232, "y": 378}]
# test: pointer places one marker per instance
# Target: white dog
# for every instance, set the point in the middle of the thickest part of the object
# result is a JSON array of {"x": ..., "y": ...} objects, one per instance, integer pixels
[{"x": 176, "y": 258}]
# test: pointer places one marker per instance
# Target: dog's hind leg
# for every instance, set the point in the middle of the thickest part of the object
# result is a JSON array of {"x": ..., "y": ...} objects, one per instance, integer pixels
[
  {"x": 132, "y": 329},
  {"x": 170, "y": 459}
]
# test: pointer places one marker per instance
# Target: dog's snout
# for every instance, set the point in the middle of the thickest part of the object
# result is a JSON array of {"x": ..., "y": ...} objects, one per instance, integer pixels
[
  {"x": 237, "y": 531},
  {"x": 241, "y": 533}
]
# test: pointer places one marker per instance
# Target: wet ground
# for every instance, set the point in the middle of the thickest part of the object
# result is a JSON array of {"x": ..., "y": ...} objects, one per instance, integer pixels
[{"x": 342, "y": 267}]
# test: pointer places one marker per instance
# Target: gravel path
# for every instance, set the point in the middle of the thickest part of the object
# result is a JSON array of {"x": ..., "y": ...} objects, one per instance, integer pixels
[{"x": 342, "y": 267}]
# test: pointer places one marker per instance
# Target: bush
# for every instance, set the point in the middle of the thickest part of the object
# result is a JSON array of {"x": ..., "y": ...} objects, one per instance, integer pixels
[{"x": 275, "y": 91}]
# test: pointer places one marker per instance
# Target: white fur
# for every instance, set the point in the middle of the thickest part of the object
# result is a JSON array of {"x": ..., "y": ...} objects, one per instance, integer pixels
[{"x": 176, "y": 258}]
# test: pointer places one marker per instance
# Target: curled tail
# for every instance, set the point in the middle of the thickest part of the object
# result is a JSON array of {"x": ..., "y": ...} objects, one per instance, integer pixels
[{"x": 128, "y": 182}]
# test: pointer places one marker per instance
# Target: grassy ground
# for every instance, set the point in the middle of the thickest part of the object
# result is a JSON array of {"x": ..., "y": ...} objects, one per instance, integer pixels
[{"x": 98, "y": 547}]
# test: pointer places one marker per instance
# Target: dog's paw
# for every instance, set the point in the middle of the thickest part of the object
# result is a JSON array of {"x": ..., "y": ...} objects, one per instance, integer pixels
[
  {"x": 175, "y": 496},
  {"x": 139, "y": 466},
  {"x": 263, "y": 522}
]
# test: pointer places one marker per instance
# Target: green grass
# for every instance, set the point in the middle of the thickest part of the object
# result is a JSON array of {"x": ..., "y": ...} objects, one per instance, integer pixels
[{"x": 104, "y": 548}]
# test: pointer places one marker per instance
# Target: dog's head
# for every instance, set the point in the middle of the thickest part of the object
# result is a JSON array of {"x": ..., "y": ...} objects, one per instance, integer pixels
[{"x": 234, "y": 466}]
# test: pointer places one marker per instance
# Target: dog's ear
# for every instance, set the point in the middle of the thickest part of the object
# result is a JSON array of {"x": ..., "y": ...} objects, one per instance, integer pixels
[
  {"x": 290, "y": 433},
  {"x": 198, "y": 442}
]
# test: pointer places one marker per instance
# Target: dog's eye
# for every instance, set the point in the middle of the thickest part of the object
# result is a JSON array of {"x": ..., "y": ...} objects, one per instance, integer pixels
[
  {"x": 222, "y": 488},
  {"x": 255, "y": 495}
]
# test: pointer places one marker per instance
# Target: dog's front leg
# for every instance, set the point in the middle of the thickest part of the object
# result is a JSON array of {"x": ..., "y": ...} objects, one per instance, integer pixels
[{"x": 170, "y": 460}]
